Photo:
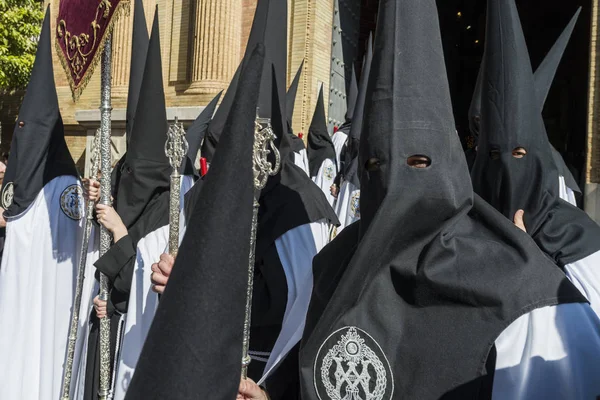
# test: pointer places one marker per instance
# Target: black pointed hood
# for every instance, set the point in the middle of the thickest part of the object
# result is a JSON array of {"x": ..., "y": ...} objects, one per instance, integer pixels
[
  {"x": 139, "y": 50},
  {"x": 290, "y": 96},
  {"x": 196, "y": 134},
  {"x": 352, "y": 95},
  {"x": 475, "y": 107},
  {"x": 297, "y": 144},
  {"x": 350, "y": 157},
  {"x": 511, "y": 118},
  {"x": 38, "y": 151},
  {"x": 146, "y": 169},
  {"x": 320, "y": 146},
  {"x": 270, "y": 28},
  {"x": 545, "y": 73},
  {"x": 426, "y": 249},
  {"x": 194, "y": 347}
]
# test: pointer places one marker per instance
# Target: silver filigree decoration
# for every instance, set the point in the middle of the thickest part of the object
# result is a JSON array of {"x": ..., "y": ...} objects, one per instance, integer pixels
[
  {"x": 176, "y": 148},
  {"x": 359, "y": 372},
  {"x": 264, "y": 144}
]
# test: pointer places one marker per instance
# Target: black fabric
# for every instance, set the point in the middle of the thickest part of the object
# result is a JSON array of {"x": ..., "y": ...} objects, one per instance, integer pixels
[
  {"x": 112, "y": 262},
  {"x": 194, "y": 347},
  {"x": 352, "y": 96},
  {"x": 437, "y": 274},
  {"x": 269, "y": 301},
  {"x": 191, "y": 198},
  {"x": 92, "y": 370},
  {"x": 320, "y": 147},
  {"x": 296, "y": 144},
  {"x": 283, "y": 383},
  {"x": 139, "y": 51},
  {"x": 195, "y": 135},
  {"x": 544, "y": 74},
  {"x": 475, "y": 107},
  {"x": 38, "y": 152},
  {"x": 146, "y": 170},
  {"x": 511, "y": 118},
  {"x": 350, "y": 167},
  {"x": 216, "y": 125},
  {"x": 564, "y": 171},
  {"x": 290, "y": 95}
]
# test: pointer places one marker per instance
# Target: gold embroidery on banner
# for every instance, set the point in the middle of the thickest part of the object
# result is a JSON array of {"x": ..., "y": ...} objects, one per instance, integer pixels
[
  {"x": 78, "y": 43},
  {"x": 76, "y": 59}
]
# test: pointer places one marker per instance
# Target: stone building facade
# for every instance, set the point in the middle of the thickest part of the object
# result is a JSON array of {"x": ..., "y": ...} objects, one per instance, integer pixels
[{"x": 202, "y": 44}]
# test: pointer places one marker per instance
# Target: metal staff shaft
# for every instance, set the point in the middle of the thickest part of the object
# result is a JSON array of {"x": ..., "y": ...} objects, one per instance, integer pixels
[
  {"x": 263, "y": 145},
  {"x": 176, "y": 148},
  {"x": 105, "y": 191},
  {"x": 74, "y": 326}
]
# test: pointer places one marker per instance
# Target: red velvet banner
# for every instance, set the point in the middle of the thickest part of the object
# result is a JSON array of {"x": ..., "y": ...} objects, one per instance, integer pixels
[{"x": 82, "y": 27}]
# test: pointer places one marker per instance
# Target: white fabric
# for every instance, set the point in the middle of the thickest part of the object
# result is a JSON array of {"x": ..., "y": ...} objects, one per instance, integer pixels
[
  {"x": 550, "y": 353},
  {"x": 325, "y": 178},
  {"x": 296, "y": 249},
  {"x": 565, "y": 192},
  {"x": 301, "y": 160},
  {"x": 585, "y": 275},
  {"x": 347, "y": 207},
  {"x": 143, "y": 302},
  {"x": 339, "y": 140},
  {"x": 37, "y": 286}
]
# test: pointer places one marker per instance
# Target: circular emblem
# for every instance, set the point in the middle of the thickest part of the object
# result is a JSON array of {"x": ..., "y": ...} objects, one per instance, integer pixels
[
  {"x": 71, "y": 202},
  {"x": 355, "y": 205},
  {"x": 7, "y": 195},
  {"x": 351, "y": 365},
  {"x": 328, "y": 172}
]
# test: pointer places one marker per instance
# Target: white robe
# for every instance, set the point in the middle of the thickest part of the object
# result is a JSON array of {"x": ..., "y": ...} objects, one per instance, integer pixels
[
  {"x": 143, "y": 302},
  {"x": 339, "y": 140},
  {"x": 347, "y": 207},
  {"x": 552, "y": 353},
  {"x": 37, "y": 286},
  {"x": 325, "y": 177},
  {"x": 565, "y": 192},
  {"x": 301, "y": 160},
  {"x": 585, "y": 275},
  {"x": 296, "y": 249}
]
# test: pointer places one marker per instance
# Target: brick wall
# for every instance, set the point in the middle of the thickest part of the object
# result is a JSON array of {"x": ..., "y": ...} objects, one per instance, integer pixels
[{"x": 593, "y": 145}]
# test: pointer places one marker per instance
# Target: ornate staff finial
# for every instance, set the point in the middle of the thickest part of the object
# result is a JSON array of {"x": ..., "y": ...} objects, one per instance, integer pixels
[
  {"x": 176, "y": 148},
  {"x": 264, "y": 144}
]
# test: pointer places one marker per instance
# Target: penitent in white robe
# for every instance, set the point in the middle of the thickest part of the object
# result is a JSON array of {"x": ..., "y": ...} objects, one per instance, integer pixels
[
  {"x": 296, "y": 249},
  {"x": 143, "y": 302},
  {"x": 37, "y": 286},
  {"x": 339, "y": 140},
  {"x": 324, "y": 179}
]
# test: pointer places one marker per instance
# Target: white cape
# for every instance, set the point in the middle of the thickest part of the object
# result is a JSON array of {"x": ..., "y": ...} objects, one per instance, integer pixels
[
  {"x": 325, "y": 177},
  {"x": 301, "y": 160},
  {"x": 296, "y": 249},
  {"x": 552, "y": 353},
  {"x": 347, "y": 207},
  {"x": 37, "y": 286},
  {"x": 339, "y": 140},
  {"x": 143, "y": 302},
  {"x": 565, "y": 192}
]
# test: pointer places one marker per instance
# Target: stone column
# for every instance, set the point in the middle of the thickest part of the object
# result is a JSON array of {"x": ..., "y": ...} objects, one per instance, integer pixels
[
  {"x": 215, "y": 46},
  {"x": 121, "y": 53}
]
